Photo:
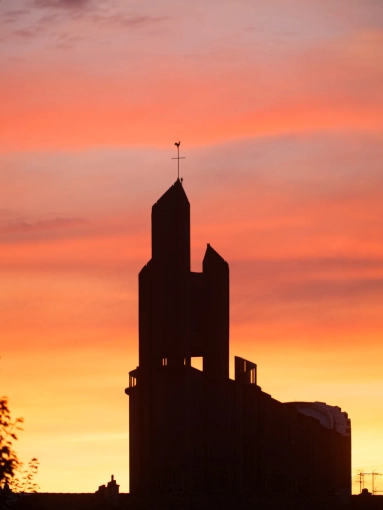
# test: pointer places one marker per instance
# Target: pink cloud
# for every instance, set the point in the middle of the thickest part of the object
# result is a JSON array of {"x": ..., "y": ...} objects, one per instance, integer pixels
[{"x": 330, "y": 88}]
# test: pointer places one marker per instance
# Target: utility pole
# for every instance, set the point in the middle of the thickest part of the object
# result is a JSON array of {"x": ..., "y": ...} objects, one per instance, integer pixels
[
  {"x": 362, "y": 474},
  {"x": 374, "y": 473}
]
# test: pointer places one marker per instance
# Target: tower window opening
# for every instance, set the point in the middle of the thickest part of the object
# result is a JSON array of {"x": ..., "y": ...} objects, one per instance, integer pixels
[
  {"x": 164, "y": 362},
  {"x": 252, "y": 376},
  {"x": 197, "y": 362},
  {"x": 132, "y": 381}
]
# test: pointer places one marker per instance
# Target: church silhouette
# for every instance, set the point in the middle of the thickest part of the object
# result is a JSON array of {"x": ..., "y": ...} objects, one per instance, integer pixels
[{"x": 198, "y": 431}]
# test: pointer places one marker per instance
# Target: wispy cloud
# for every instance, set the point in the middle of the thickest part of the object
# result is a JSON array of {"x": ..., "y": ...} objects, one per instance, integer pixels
[
  {"x": 27, "y": 33},
  {"x": 15, "y": 15},
  {"x": 51, "y": 24},
  {"x": 22, "y": 227},
  {"x": 61, "y": 4},
  {"x": 18, "y": 12},
  {"x": 121, "y": 20},
  {"x": 99, "y": 15}
]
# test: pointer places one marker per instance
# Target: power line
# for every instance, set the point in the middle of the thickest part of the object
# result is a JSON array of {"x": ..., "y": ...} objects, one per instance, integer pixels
[{"x": 362, "y": 474}]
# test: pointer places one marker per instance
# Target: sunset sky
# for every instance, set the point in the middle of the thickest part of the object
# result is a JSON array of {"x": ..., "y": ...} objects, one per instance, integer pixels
[{"x": 279, "y": 108}]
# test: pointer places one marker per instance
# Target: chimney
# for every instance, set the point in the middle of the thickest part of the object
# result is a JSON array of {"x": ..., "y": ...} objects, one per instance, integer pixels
[{"x": 110, "y": 493}]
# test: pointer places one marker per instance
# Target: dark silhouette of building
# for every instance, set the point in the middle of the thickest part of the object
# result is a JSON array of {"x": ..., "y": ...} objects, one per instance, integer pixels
[{"x": 196, "y": 431}]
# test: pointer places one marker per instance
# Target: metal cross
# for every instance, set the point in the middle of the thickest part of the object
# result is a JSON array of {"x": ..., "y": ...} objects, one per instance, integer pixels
[{"x": 177, "y": 144}]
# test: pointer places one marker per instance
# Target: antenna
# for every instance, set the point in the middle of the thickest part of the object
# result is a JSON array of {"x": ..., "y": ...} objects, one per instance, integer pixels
[
  {"x": 361, "y": 480},
  {"x": 177, "y": 144},
  {"x": 374, "y": 473},
  {"x": 362, "y": 474}
]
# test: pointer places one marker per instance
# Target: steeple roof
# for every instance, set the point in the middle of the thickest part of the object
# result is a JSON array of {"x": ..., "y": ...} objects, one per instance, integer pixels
[
  {"x": 176, "y": 190},
  {"x": 211, "y": 253}
]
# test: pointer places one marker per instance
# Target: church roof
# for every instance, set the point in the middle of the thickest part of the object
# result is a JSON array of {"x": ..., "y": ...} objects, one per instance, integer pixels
[{"x": 176, "y": 190}]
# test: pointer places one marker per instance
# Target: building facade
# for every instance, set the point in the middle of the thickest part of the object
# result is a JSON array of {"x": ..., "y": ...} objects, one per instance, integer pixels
[{"x": 198, "y": 430}]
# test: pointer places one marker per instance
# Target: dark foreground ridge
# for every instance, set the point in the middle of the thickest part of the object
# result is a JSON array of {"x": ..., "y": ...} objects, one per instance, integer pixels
[{"x": 191, "y": 502}]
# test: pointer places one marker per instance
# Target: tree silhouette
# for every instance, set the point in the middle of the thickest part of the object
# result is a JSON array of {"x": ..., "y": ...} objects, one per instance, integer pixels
[
  {"x": 23, "y": 479},
  {"x": 11, "y": 469},
  {"x": 9, "y": 462}
]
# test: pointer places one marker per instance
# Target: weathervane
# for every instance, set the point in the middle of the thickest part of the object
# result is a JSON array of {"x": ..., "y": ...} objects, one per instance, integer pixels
[{"x": 177, "y": 144}]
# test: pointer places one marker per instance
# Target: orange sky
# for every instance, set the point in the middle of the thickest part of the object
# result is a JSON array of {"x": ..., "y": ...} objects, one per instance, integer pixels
[{"x": 279, "y": 108}]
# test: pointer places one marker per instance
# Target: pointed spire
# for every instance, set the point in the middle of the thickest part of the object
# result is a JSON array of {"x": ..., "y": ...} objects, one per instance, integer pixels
[
  {"x": 212, "y": 254},
  {"x": 175, "y": 190}
]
